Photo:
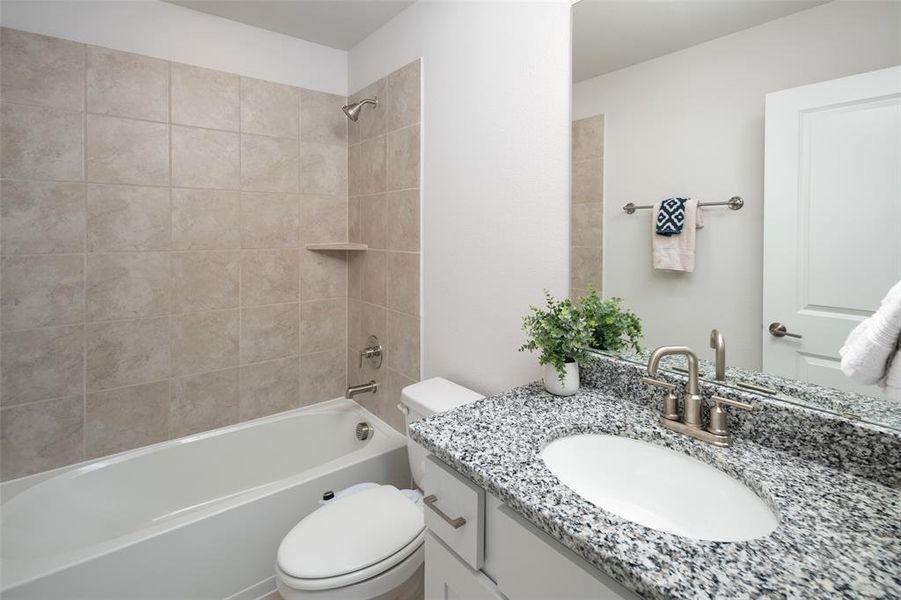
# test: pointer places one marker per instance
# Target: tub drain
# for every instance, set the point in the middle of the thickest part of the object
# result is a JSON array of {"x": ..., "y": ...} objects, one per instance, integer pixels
[{"x": 364, "y": 431}]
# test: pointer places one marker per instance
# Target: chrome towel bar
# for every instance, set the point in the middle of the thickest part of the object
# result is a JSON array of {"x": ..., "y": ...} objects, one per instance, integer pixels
[{"x": 735, "y": 203}]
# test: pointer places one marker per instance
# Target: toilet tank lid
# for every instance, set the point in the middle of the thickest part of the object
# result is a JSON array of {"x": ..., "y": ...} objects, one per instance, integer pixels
[{"x": 437, "y": 395}]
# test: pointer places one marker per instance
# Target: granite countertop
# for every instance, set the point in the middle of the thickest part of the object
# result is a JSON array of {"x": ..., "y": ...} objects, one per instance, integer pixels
[{"x": 839, "y": 534}]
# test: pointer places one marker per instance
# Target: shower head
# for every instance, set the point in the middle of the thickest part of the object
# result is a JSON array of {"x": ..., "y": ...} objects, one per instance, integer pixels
[{"x": 353, "y": 110}]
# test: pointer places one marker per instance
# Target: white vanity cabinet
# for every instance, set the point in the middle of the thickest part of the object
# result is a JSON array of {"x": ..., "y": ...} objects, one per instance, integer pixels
[
  {"x": 449, "y": 578},
  {"x": 478, "y": 549}
]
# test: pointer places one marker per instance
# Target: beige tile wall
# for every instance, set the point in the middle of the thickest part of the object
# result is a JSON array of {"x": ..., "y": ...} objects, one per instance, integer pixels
[
  {"x": 154, "y": 281},
  {"x": 383, "y": 282},
  {"x": 587, "y": 206}
]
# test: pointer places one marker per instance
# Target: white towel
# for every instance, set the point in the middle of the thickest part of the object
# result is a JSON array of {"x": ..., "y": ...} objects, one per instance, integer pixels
[
  {"x": 892, "y": 381},
  {"x": 677, "y": 252},
  {"x": 870, "y": 354}
]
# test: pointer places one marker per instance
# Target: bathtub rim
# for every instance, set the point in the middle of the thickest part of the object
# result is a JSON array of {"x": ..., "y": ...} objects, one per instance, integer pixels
[
  {"x": 11, "y": 488},
  {"x": 387, "y": 439}
]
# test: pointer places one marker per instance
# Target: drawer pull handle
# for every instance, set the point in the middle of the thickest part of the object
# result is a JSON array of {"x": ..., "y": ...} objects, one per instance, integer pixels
[{"x": 455, "y": 523}]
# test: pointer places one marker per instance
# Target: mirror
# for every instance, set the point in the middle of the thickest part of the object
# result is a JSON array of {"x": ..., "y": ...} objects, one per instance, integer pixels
[{"x": 793, "y": 107}]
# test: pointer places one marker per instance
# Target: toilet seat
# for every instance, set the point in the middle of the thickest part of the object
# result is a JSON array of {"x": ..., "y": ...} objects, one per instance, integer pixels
[
  {"x": 351, "y": 540},
  {"x": 330, "y": 583}
]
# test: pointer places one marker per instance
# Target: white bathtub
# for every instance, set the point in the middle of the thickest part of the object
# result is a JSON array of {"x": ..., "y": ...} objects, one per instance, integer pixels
[{"x": 197, "y": 517}]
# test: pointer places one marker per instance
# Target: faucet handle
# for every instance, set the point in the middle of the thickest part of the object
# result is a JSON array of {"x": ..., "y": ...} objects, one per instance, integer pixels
[
  {"x": 718, "y": 418},
  {"x": 372, "y": 352},
  {"x": 658, "y": 383},
  {"x": 717, "y": 400},
  {"x": 670, "y": 402}
]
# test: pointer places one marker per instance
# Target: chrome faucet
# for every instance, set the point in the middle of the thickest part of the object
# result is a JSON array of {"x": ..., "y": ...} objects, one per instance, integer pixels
[
  {"x": 363, "y": 388},
  {"x": 719, "y": 344},
  {"x": 690, "y": 424}
]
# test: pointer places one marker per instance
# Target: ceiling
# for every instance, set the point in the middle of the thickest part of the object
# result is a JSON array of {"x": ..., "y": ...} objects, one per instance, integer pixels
[
  {"x": 612, "y": 34},
  {"x": 336, "y": 23}
]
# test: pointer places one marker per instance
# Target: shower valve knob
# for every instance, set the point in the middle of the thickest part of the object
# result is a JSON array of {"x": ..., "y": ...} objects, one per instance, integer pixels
[{"x": 372, "y": 353}]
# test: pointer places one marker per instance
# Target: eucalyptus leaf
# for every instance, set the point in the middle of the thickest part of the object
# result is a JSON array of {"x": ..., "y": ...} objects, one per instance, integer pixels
[
  {"x": 559, "y": 331},
  {"x": 613, "y": 328}
]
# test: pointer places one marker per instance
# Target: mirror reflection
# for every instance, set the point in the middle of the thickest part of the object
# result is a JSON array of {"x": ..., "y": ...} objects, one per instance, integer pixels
[{"x": 742, "y": 194}]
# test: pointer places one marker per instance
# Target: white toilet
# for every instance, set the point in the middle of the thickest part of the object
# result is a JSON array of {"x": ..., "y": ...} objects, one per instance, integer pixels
[{"x": 367, "y": 545}]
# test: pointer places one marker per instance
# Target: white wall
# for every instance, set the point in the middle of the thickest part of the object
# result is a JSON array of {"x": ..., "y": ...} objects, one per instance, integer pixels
[
  {"x": 495, "y": 173},
  {"x": 175, "y": 33},
  {"x": 691, "y": 123}
]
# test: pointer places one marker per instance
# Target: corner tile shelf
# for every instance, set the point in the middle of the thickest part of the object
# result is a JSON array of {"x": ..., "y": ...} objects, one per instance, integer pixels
[{"x": 348, "y": 246}]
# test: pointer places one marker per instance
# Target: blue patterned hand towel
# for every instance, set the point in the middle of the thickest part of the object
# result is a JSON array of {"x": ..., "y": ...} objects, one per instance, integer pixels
[{"x": 671, "y": 216}]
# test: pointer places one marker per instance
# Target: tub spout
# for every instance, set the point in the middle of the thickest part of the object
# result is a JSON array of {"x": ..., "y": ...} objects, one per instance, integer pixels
[{"x": 363, "y": 388}]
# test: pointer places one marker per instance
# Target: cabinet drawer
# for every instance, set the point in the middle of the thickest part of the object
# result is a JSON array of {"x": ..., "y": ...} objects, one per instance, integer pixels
[
  {"x": 455, "y": 511},
  {"x": 530, "y": 565},
  {"x": 448, "y": 578}
]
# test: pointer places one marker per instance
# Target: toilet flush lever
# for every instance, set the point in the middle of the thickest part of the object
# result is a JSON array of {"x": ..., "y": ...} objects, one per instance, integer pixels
[{"x": 372, "y": 353}]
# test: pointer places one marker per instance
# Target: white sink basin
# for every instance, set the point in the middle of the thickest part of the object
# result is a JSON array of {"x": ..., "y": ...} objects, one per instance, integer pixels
[{"x": 659, "y": 488}]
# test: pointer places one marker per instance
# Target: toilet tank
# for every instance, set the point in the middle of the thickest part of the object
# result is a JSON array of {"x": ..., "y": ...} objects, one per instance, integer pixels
[{"x": 429, "y": 397}]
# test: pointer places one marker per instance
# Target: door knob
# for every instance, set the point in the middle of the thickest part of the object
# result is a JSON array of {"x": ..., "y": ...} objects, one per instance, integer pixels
[{"x": 778, "y": 330}]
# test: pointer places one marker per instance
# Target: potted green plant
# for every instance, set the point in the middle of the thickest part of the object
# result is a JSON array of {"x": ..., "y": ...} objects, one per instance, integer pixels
[
  {"x": 561, "y": 333},
  {"x": 613, "y": 328}
]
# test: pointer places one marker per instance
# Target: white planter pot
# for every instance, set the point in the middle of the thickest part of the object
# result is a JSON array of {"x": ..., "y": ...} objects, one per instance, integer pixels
[{"x": 570, "y": 384}]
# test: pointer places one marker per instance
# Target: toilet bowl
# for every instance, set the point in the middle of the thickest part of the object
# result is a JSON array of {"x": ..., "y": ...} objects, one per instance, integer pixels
[{"x": 367, "y": 544}]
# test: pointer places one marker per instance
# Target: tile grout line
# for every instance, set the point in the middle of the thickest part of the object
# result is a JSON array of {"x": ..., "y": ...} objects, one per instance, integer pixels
[
  {"x": 169, "y": 252},
  {"x": 240, "y": 232},
  {"x": 347, "y": 258},
  {"x": 301, "y": 257},
  {"x": 84, "y": 274},
  {"x": 169, "y": 405},
  {"x": 34, "y": 402},
  {"x": 89, "y": 182},
  {"x": 175, "y": 251},
  {"x": 169, "y": 379},
  {"x": 168, "y": 314},
  {"x": 85, "y": 112}
]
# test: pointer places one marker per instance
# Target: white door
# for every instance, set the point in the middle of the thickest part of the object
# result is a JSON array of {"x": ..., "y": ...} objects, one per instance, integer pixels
[{"x": 832, "y": 218}]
